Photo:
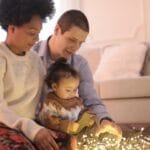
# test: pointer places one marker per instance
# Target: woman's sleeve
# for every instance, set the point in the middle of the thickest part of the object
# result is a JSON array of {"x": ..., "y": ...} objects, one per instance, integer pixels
[{"x": 8, "y": 117}]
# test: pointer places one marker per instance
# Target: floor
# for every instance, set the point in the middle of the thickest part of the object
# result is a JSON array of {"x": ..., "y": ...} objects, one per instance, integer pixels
[
  {"x": 135, "y": 137},
  {"x": 136, "y": 127}
]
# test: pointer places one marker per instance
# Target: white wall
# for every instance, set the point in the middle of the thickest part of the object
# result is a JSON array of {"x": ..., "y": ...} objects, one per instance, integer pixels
[{"x": 118, "y": 20}]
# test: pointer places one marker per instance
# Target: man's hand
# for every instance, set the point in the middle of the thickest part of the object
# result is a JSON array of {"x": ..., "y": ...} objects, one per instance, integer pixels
[
  {"x": 45, "y": 140},
  {"x": 110, "y": 127}
]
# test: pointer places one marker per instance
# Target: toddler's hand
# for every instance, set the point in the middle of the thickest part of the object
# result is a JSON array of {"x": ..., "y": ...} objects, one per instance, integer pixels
[
  {"x": 72, "y": 128},
  {"x": 87, "y": 120}
]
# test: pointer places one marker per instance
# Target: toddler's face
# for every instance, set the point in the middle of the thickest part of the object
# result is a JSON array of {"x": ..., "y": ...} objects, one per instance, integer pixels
[{"x": 66, "y": 88}]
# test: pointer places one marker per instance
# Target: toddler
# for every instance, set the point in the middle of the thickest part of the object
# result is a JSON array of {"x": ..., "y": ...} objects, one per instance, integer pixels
[{"x": 61, "y": 108}]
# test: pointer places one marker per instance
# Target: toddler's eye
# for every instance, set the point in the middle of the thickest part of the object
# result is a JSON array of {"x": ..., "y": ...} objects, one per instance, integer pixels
[{"x": 68, "y": 90}]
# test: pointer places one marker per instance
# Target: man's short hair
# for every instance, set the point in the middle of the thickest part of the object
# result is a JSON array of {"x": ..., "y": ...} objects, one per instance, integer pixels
[{"x": 73, "y": 18}]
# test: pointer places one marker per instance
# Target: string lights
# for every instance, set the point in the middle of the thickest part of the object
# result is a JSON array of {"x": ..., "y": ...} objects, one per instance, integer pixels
[{"x": 106, "y": 141}]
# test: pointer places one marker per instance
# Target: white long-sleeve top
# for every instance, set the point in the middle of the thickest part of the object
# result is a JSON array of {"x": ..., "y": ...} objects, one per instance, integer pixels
[{"x": 21, "y": 81}]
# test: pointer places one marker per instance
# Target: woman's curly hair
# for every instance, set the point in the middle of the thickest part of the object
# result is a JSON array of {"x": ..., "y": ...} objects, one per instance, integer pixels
[{"x": 19, "y": 12}]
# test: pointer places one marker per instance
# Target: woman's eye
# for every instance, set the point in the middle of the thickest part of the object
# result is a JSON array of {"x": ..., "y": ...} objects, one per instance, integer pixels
[{"x": 32, "y": 34}]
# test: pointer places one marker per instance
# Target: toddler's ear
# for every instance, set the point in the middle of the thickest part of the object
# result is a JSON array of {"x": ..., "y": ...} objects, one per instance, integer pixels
[{"x": 54, "y": 86}]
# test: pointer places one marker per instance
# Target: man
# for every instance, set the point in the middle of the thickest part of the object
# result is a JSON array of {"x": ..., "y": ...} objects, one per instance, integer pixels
[{"x": 70, "y": 32}]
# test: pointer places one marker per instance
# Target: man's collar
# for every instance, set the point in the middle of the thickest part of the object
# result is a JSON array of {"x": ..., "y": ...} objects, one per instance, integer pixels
[
  {"x": 44, "y": 49},
  {"x": 44, "y": 52},
  {"x": 69, "y": 61}
]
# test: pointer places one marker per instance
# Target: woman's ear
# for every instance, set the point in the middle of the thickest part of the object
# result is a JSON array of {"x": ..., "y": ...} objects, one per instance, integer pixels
[{"x": 54, "y": 86}]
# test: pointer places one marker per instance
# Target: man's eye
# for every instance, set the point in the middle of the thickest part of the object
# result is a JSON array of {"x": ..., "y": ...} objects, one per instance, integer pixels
[{"x": 72, "y": 40}]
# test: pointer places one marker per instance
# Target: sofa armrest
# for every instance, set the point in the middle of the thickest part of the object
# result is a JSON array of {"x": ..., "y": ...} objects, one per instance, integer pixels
[{"x": 125, "y": 88}]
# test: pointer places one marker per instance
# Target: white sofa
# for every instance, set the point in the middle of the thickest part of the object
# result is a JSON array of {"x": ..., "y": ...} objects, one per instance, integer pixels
[{"x": 127, "y": 99}]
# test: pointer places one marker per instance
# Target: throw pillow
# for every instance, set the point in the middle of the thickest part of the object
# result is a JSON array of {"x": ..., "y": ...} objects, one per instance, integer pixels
[
  {"x": 121, "y": 61},
  {"x": 92, "y": 55},
  {"x": 146, "y": 66}
]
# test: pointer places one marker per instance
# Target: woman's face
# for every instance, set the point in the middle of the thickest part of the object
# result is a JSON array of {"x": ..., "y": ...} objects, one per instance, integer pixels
[
  {"x": 66, "y": 88},
  {"x": 21, "y": 39}
]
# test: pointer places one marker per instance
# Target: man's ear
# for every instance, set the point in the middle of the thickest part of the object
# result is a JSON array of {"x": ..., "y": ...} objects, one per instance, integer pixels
[
  {"x": 57, "y": 30},
  {"x": 11, "y": 28},
  {"x": 54, "y": 86}
]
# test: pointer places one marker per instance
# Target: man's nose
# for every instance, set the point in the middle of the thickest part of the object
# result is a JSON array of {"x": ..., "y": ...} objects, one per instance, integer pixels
[{"x": 75, "y": 47}]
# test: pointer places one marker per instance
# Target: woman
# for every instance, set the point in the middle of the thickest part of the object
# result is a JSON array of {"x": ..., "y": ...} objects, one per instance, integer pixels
[{"x": 21, "y": 75}]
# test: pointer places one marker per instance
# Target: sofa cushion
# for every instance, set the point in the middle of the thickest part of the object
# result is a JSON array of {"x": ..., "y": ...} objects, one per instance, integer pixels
[
  {"x": 129, "y": 110},
  {"x": 125, "y": 88},
  {"x": 121, "y": 61}
]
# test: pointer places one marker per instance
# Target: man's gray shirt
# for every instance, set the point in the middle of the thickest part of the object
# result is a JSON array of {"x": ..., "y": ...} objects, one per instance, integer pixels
[{"x": 86, "y": 87}]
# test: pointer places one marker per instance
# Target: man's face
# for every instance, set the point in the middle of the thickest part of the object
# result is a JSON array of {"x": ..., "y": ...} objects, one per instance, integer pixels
[
  {"x": 66, "y": 88},
  {"x": 69, "y": 42}
]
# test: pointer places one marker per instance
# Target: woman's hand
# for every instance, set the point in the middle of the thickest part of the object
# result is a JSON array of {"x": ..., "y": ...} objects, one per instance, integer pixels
[{"x": 45, "y": 140}]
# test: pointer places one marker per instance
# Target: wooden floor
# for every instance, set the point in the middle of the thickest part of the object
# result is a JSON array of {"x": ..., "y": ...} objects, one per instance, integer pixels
[{"x": 136, "y": 127}]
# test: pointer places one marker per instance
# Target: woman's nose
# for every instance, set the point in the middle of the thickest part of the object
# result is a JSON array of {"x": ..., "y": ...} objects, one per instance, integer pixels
[{"x": 36, "y": 38}]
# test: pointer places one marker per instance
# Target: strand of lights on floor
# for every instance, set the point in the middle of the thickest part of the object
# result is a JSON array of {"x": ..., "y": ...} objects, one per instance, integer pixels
[{"x": 136, "y": 141}]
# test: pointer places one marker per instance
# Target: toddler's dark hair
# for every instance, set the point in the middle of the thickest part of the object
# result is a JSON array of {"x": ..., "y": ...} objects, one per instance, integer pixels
[
  {"x": 60, "y": 69},
  {"x": 19, "y": 12}
]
